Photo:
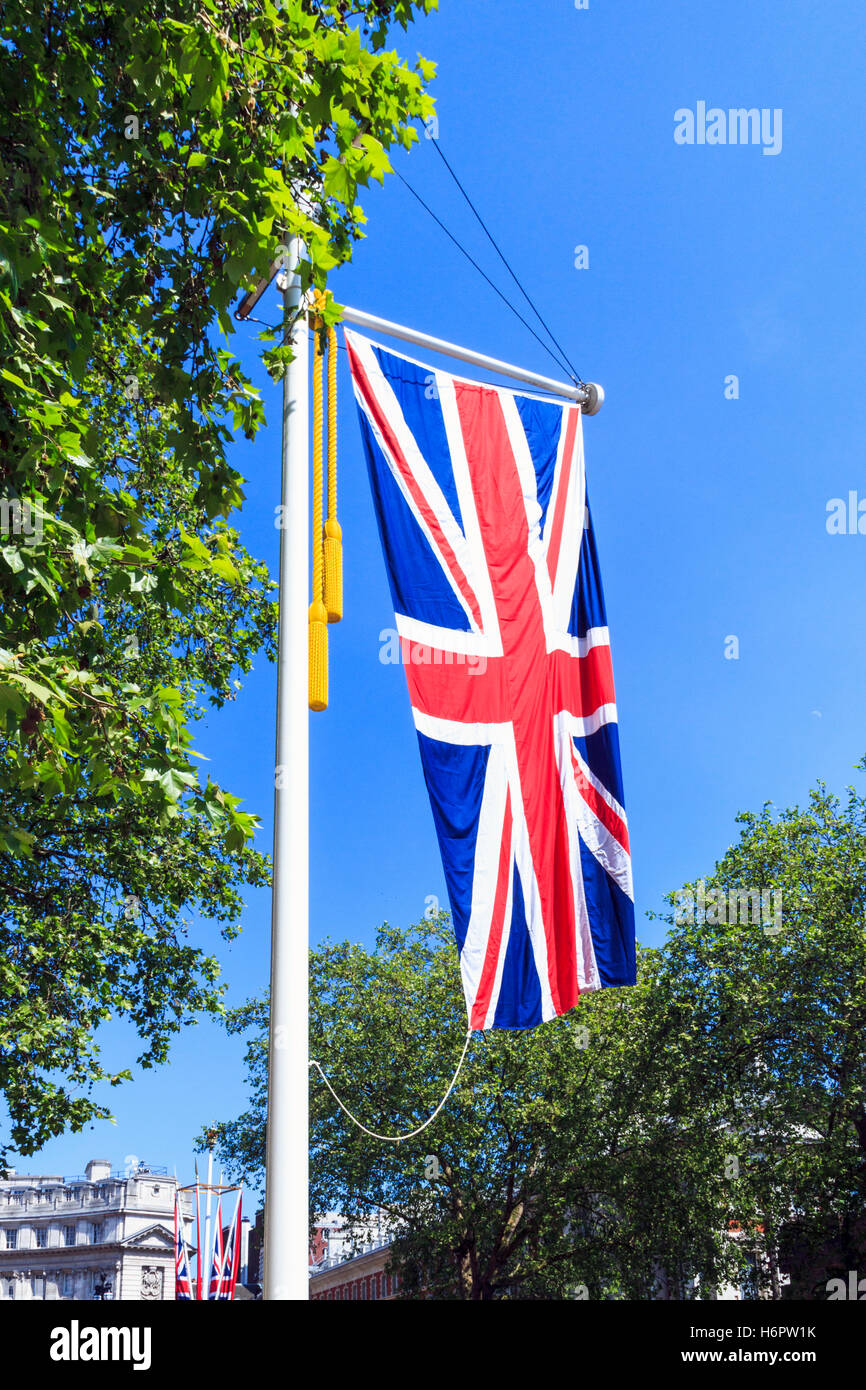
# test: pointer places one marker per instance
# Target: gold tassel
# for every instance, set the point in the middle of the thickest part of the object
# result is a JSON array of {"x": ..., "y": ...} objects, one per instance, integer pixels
[
  {"x": 318, "y": 684},
  {"x": 333, "y": 548},
  {"x": 333, "y": 536},
  {"x": 318, "y": 644}
]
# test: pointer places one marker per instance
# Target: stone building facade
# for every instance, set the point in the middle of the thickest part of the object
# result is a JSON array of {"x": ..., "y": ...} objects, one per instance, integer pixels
[
  {"x": 103, "y": 1235},
  {"x": 362, "y": 1276},
  {"x": 348, "y": 1260}
]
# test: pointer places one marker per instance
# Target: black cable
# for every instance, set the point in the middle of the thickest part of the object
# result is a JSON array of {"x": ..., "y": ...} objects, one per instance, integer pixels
[
  {"x": 563, "y": 365},
  {"x": 575, "y": 374}
]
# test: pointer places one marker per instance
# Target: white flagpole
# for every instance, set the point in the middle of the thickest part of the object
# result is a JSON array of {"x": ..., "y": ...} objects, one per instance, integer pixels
[
  {"x": 286, "y": 1274},
  {"x": 208, "y": 1253}
]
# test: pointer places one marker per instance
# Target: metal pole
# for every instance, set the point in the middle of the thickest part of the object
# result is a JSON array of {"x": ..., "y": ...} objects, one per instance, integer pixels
[
  {"x": 286, "y": 1274},
  {"x": 207, "y": 1249},
  {"x": 589, "y": 395}
]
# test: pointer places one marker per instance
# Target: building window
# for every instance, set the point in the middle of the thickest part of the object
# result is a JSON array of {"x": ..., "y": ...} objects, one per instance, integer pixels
[
  {"x": 41, "y": 1237},
  {"x": 96, "y": 1232},
  {"x": 68, "y": 1235},
  {"x": 11, "y": 1239},
  {"x": 67, "y": 1285}
]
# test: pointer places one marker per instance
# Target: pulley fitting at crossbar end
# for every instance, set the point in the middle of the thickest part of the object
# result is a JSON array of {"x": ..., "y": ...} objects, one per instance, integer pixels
[{"x": 594, "y": 398}]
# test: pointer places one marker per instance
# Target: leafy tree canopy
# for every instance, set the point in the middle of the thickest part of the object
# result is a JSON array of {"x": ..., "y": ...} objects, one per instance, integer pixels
[
  {"x": 153, "y": 161},
  {"x": 705, "y": 1127}
]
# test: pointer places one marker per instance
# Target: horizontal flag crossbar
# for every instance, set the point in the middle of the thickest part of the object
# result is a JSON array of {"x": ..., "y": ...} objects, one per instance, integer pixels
[
  {"x": 589, "y": 395},
  {"x": 210, "y": 1187}
]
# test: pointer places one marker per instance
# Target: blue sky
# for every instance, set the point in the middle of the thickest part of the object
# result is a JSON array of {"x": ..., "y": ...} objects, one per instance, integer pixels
[{"x": 710, "y": 514}]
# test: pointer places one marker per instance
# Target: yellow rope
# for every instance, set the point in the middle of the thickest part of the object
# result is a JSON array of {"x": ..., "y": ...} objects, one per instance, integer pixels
[
  {"x": 333, "y": 537},
  {"x": 318, "y": 651}
]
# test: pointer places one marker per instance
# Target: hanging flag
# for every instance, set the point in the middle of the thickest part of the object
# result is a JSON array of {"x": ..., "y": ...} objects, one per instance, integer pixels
[
  {"x": 480, "y": 496},
  {"x": 231, "y": 1259},
  {"x": 182, "y": 1279},
  {"x": 218, "y": 1258}
]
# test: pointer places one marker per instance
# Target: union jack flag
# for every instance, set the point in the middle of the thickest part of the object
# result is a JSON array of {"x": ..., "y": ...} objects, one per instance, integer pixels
[
  {"x": 231, "y": 1259},
  {"x": 182, "y": 1280},
  {"x": 480, "y": 495}
]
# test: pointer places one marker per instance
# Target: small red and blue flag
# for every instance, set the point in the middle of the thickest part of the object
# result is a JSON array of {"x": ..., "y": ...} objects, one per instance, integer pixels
[
  {"x": 182, "y": 1279},
  {"x": 231, "y": 1258},
  {"x": 218, "y": 1259}
]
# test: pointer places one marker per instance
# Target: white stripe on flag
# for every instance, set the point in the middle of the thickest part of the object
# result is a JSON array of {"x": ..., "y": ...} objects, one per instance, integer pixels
[
  {"x": 427, "y": 484},
  {"x": 572, "y": 532},
  {"x": 487, "y": 856}
]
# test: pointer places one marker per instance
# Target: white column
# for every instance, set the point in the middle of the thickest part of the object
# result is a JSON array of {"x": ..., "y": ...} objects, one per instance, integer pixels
[{"x": 287, "y": 1169}]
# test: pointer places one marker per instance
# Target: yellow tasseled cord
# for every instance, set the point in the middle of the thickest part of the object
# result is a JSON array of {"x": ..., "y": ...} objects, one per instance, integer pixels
[
  {"x": 318, "y": 678},
  {"x": 332, "y": 542}
]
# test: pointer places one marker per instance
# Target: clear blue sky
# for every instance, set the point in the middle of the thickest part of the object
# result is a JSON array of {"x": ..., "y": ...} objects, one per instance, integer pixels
[{"x": 704, "y": 261}]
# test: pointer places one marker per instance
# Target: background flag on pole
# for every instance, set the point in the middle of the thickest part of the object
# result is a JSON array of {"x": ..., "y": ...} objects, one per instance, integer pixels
[
  {"x": 480, "y": 495},
  {"x": 218, "y": 1259},
  {"x": 182, "y": 1280},
  {"x": 231, "y": 1260}
]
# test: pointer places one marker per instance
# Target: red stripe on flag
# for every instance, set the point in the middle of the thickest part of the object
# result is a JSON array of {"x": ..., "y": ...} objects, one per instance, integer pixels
[
  {"x": 558, "y": 523},
  {"x": 442, "y": 685},
  {"x": 582, "y": 684},
  {"x": 599, "y": 807},
  {"x": 449, "y": 689}
]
